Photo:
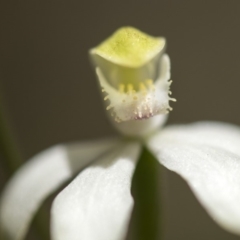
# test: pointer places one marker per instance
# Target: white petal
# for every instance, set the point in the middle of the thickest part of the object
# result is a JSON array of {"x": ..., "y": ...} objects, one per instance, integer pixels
[
  {"x": 207, "y": 156},
  {"x": 97, "y": 205},
  {"x": 223, "y": 135},
  {"x": 38, "y": 178}
]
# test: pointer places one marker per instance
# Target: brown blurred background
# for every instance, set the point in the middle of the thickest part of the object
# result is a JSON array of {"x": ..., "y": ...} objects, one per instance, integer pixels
[{"x": 50, "y": 92}]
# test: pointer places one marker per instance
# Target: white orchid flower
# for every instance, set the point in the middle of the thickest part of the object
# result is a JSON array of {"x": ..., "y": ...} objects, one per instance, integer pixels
[{"x": 134, "y": 71}]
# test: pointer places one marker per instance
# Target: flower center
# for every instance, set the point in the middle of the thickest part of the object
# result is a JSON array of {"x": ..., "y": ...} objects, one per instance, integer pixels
[{"x": 134, "y": 74}]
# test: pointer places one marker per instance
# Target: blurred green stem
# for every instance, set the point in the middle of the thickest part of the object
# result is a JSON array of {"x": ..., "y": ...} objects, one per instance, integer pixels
[
  {"x": 10, "y": 155},
  {"x": 11, "y": 160},
  {"x": 146, "y": 222}
]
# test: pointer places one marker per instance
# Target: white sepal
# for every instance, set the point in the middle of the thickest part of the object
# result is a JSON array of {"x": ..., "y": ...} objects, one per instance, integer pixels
[
  {"x": 97, "y": 205},
  {"x": 38, "y": 178},
  {"x": 207, "y": 156}
]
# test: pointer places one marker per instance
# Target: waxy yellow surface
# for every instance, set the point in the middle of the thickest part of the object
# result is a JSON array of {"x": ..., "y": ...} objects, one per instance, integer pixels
[{"x": 130, "y": 47}]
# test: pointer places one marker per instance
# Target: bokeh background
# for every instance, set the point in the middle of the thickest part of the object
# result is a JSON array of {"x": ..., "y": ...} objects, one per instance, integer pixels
[{"x": 50, "y": 92}]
